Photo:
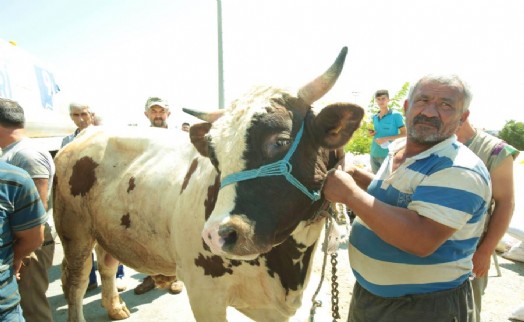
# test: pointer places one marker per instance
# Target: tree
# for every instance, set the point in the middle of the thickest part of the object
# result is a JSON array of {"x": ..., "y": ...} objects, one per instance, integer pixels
[
  {"x": 360, "y": 143},
  {"x": 513, "y": 133}
]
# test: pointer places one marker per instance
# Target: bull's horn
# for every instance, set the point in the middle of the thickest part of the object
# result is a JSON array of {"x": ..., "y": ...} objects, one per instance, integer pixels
[
  {"x": 205, "y": 116},
  {"x": 311, "y": 92}
]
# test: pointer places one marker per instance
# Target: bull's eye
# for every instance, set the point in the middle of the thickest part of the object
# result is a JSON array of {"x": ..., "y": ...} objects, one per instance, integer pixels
[
  {"x": 283, "y": 142},
  {"x": 276, "y": 146}
]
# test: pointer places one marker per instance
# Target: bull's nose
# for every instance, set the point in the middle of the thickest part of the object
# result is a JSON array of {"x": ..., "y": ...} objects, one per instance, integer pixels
[{"x": 229, "y": 235}]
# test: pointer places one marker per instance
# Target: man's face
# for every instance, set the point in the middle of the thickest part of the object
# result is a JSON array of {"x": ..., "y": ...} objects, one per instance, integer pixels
[
  {"x": 382, "y": 101},
  {"x": 185, "y": 127},
  {"x": 82, "y": 117},
  {"x": 157, "y": 115},
  {"x": 435, "y": 112}
]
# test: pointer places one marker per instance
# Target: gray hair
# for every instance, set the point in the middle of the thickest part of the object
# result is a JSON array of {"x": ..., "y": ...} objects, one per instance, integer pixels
[
  {"x": 445, "y": 80},
  {"x": 74, "y": 105},
  {"x": 11, "y": 114}
]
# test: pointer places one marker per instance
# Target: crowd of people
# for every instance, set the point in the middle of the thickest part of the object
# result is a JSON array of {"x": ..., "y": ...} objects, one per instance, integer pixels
[
  {"x": 27, "y": 241},
  {"x": 421, "y": 243}
]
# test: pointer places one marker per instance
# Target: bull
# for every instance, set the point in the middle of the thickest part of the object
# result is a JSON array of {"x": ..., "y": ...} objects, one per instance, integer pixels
[{"x": 231, "y": 209}]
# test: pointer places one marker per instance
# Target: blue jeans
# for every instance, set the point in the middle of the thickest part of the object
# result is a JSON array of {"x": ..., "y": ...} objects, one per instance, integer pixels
[{"x": 92, "y": 275}]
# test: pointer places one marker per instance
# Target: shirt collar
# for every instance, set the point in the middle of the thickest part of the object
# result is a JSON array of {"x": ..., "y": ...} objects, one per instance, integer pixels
[{"x": 398, "y": 144}]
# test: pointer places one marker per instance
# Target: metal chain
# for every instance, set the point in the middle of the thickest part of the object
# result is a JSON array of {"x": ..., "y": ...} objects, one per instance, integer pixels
[
  {"x": 334, "y": 287},
  {"x": 334, "y": 284},
  {"x": 317, "y": 303}
]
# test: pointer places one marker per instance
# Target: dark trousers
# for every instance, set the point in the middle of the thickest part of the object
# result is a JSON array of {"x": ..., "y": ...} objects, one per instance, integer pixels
[{"x": 455, "y": 305}]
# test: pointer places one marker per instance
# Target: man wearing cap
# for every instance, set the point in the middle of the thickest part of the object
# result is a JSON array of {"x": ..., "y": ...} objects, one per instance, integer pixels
[{"x": 157, "y": 111}]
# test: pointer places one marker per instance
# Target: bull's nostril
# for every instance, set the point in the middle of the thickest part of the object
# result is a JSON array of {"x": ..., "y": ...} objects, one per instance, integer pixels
[
  {"x": 208, "y": 236},
  {"x": 228, "y": 234}
]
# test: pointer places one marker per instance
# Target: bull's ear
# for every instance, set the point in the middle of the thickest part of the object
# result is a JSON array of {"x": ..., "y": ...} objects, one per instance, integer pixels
[
  {"x": 334, "y": 125},
  {"x": 197, "y": 134}
]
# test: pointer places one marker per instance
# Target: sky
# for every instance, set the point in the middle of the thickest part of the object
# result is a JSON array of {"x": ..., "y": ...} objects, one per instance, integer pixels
[{"x": 115, "y": 54}]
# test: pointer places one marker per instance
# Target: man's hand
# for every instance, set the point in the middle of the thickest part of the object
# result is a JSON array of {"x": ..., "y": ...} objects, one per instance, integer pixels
[
  {"x": 481, "y": 263},
  {"x": 338, "y": 186},
  {"x": 381, "y": 141}
]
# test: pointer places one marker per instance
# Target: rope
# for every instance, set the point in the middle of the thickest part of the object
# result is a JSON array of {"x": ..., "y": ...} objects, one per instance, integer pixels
[{"x": 282, "y": 167}]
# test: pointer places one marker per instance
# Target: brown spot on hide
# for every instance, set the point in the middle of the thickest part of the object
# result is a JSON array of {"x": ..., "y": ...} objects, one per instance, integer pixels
[
  {"x": 131, "y": 184},
  {"x": 213, "y": 265},
  {"x": 125, "y": 221},
  {"x": 83, "y": 177},
  {"x": 217, "y": 266},
  {"x": 189, "y": 173},
  {"x": 290, "y": 260},
  {"x": 212, "y": 194}
]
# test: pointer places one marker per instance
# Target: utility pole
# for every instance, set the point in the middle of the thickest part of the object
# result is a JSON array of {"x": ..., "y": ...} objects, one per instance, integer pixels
[
  {"x": 355, "y": 95},
  {"x": 220, "y": 57}
]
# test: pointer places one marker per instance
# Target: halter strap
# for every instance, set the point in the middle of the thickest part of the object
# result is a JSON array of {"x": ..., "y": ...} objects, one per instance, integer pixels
[{"x": 282, "y": 167}]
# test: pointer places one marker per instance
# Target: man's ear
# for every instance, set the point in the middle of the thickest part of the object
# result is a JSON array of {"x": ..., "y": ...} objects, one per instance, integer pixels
[
  {"x": 464, "y": 117},
  {"x": 405, "y": 106}
]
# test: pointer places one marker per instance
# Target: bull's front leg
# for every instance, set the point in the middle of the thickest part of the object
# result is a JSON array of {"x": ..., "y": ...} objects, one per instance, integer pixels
[{"x": 111, "y": 300}]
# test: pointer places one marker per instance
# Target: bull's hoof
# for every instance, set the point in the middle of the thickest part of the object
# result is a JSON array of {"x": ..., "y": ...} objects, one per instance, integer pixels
[
  {"x": 119, "y": 313},
  {"x": 176, "y": 287}
]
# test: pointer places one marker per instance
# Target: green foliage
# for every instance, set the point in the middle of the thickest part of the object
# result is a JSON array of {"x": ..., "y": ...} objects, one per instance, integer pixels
[
  {"x": 513, "y": 133},
  {"x": 360, "y": 143}
]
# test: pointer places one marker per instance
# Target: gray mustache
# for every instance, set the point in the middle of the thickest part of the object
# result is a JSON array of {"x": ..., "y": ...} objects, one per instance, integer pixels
[{"x": 431, "y": 120}]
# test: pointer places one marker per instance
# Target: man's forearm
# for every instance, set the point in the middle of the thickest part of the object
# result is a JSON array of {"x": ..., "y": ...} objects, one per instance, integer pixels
[
  {"x": 497, "y": 227},
  {"x": 27, "y": 241}
]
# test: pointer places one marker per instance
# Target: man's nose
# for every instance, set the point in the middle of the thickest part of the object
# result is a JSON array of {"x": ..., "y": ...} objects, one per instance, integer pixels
[{"x": 430, "y": 109}]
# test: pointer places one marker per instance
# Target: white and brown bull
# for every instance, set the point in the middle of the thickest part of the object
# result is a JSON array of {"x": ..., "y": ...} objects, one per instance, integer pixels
[{"x": 232, "y": 214}]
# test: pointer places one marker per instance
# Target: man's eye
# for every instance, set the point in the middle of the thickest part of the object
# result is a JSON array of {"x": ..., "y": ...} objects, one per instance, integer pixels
[{"x": 446, "y": 106}]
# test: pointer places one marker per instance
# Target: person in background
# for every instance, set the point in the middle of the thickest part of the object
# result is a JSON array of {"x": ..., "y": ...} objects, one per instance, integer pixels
[
  {"x": 388, "y": 125},
  {"x": 21, "y": 151},
  {"x": 498, "y": 156},
  {"x": 157, "y": 111},
  {"x": 185, "y": 127},
  {"x": 411, "y": 245},
  {"x": 22, "y": 219},
  {"x": 83, "y": 117}
]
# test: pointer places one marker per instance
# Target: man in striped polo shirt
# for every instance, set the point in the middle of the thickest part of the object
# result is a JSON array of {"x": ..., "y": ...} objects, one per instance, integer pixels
[
  {"x": 420, "y": 218},
  {"x": 22, "y": 219}
]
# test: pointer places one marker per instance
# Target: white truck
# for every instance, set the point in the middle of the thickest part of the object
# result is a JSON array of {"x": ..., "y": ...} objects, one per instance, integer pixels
[{"x": 25, "y": 79}]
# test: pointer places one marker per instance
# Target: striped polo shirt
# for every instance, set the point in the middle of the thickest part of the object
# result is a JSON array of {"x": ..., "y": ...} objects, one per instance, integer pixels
[
  {"x": 446, "y": 183},
  {"x": 20, "y": 209}
]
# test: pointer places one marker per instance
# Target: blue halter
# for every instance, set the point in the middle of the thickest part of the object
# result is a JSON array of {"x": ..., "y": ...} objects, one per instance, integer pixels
[{"x": 282, "y": 167}]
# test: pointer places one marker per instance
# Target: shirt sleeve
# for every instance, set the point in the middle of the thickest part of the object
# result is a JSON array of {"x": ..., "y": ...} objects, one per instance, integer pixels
[
  {"x": 34, "y": 162},
  {"x": 28, "y": 209},
  {"x": 452, "y": 197},
  {"x": 399, "y": 120}
]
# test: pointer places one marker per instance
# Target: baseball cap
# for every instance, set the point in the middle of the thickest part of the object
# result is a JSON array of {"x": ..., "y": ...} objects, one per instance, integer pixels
[{"x": 156, "y": 101}]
